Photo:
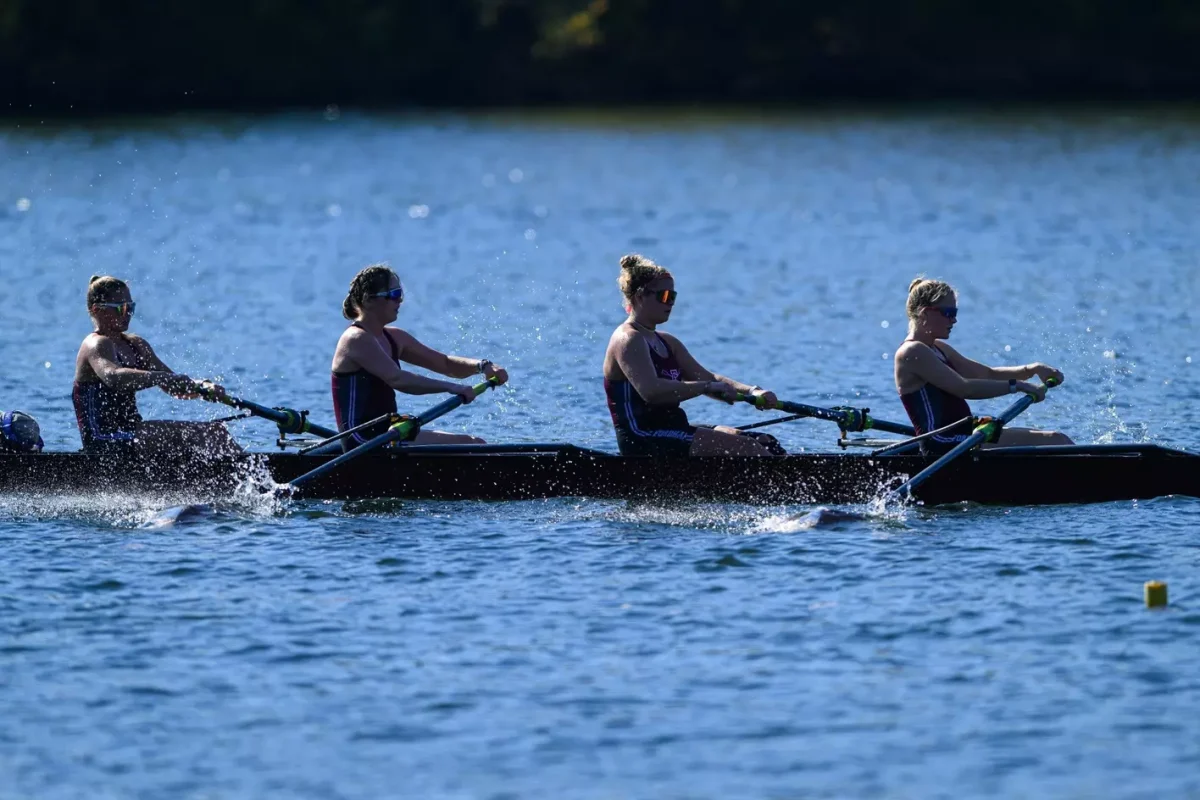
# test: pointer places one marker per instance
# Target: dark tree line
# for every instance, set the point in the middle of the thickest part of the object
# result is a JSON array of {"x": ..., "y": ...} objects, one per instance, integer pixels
[{"x": 113, "y": 55}]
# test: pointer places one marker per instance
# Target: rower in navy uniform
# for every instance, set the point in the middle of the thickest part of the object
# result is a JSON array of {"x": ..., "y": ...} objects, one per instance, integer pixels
[
  {"x": 366, "y": 364},
  {"x": 935, "y": 381},
  {"x": 112, "y": 366},
  {"x": 648, "y": 373}
]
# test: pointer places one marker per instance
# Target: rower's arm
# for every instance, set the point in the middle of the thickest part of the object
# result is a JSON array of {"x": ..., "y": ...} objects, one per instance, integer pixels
[
  {"x": 362, "y": 348},
  {"x": 695, "y": 371},
  {"x": 102, "y": 358},
  {"x": 633, "y": 358},
  {"x": 973, "y": 369},
  {"x": 920, "y": 360},
  {"x": 422, "y": 355}
]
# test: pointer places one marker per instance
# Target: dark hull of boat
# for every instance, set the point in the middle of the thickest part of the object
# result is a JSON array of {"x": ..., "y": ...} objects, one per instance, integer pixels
[{"x": 1020, "y": 476}]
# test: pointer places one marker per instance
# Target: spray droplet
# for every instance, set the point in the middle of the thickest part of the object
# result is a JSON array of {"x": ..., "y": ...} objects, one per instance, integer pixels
[
  {"x": 884, "y": 324},
  {"x": 1008, "y": 348},
  {"x": 46, "y": 365},
  {"x": 23, "y": 204},
  {"x": 530, "y": 234},
  {"x": 334, "y": 210},
  {"x": 1188, "y": 360},
  {"x": 515, "y": 175},
  {"x": 418, "y": 212},
  {"x": 885, "y": 355}
]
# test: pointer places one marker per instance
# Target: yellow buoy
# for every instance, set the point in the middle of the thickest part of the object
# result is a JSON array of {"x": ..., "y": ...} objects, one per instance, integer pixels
[{"x": 1156, "y": 594}]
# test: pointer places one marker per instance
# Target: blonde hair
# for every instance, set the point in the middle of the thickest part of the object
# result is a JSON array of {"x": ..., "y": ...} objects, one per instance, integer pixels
[
  {"x": 103, "y": 288},
  {"x": 925, "y": 292},
  {"x": 638, "y": 271}
]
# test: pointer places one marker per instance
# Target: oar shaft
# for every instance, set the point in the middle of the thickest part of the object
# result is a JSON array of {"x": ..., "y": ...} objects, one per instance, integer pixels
[
  {"x": 834, "y": 415},
  {"x": 396, "y": 432},
  {"x": 288, "y": 421}
]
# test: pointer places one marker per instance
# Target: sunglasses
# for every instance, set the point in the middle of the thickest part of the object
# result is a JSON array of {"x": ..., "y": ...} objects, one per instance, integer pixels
[
  {"x": 396, "y": 294},
  {"x": 948, "y": 313},
  {"x": 121, "y": 308},
  {"x": 666, "y": 296}
]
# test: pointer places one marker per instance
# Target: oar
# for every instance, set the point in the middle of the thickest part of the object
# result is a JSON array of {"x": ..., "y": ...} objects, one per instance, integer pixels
[
  {"x": 848, "y": 419},
  {"x": 980, "y": 435},
  {"x": 289, "y": 421},
  {"x": 394, "y": 433},
  {"x": 346, "y": 433}
]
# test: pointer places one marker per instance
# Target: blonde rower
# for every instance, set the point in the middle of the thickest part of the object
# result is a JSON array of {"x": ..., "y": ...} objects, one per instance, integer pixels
[
  {"x": 648, "y": 373},
  {"x": 935, "y": 381}
]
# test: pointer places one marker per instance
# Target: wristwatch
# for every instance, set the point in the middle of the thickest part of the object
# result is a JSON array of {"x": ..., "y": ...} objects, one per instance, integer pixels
[
  {"x": 1012, "y": 386},
  {"x": 483, "y": 365}
]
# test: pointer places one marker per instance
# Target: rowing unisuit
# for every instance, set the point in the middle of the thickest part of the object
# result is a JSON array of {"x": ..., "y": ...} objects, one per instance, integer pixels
[
  {"x": 645, "y": 429},
  {"x": 360, "y": 396},
  {"x": 931, "y": 408},
  {"x": 108, "y": 415}
]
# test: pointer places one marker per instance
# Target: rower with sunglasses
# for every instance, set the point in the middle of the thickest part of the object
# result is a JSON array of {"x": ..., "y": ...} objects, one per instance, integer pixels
[
  {"x": 935, "y": 381},
  {"x": 648, "y": 373},
  {"x": 112, "y": 366},
  {"x": 366, "y": 364}
]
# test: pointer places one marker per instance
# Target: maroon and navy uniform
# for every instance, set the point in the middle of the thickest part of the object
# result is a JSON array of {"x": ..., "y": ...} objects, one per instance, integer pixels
[
  {"x": 931, "y": 408},
  {"x": 107, "y": 418},
  {"x": 360, "y": 397},
  {"x": 645, "y": 429}
]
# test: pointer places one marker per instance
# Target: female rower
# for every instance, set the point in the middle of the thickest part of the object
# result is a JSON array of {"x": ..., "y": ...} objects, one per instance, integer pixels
[
  {"x": 935, "y": 381},
  {"x": 366, "y": 364},
  {"x": 648, "y": 373},
  {"x": 112, "y": 366}
]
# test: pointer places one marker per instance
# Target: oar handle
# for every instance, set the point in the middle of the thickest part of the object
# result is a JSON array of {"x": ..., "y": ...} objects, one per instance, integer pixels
[
  {"x": 289, "y": 421},
  {"x": 405, "y": 426},
  {"x": 852, "y": 419}
]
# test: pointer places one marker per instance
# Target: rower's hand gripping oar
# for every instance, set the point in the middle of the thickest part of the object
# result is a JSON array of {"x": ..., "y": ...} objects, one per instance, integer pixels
[
  {"x": 289, "y": 421},
  {"x": 851, "y": 420},
  {"x": 986, "y": 431},
  {"x": 396, "y": 432}
]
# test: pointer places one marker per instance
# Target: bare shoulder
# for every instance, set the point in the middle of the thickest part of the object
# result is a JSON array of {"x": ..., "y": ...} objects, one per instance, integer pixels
[{"x": 910, "y": 349}]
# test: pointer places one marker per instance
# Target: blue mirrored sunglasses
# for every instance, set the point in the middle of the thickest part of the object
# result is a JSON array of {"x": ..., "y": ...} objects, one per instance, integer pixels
[
  {"x": 948, "y": 313},
  {"x": 396, "y": 294}
]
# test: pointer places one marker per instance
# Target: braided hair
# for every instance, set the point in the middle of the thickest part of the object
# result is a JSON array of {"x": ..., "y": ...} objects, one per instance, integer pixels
[{"x": 375, "y": 278}]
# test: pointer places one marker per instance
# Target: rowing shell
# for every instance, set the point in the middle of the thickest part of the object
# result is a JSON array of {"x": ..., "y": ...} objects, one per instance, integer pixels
[{"x": 1010, "y": 476}]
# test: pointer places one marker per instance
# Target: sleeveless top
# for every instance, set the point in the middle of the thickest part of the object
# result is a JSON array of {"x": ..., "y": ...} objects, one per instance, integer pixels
[
  {"x": 931, "y": 408},
  {"x": 360, "y": 397},
  {"x": 107, "y": 416},
  {"x": 633, "y": 416}
]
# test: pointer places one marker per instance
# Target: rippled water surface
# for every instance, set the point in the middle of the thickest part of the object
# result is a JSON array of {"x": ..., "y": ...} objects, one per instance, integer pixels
[{"x": 584, "y": 648}]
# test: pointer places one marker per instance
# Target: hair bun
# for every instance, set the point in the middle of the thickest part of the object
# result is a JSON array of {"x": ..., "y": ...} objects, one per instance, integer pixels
[
  {"x": 93, "y": 279},
  {"x": 631, "y": 261},
  {"x": 916, "y": 282}
]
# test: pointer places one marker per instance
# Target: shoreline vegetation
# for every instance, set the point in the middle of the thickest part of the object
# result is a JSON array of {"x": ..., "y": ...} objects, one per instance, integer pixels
[{"x": 74, "y": 57}]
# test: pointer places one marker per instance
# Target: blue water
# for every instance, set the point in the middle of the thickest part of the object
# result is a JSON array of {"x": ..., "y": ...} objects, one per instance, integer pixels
[{"x": 583, "y": 648}]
